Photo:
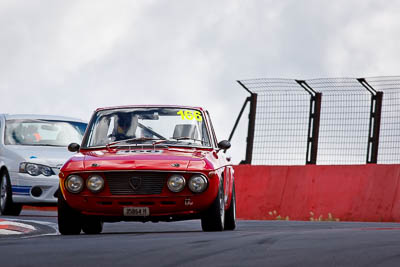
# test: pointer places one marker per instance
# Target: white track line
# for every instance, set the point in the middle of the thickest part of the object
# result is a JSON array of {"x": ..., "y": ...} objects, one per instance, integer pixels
[
  {"x": 9, "y": 232},
  {"x": 22, "y": 225},
  {"x": 50, "y": 224},
  {"x": 10, "y": 227},
  {"x": 18, "y": 223}
]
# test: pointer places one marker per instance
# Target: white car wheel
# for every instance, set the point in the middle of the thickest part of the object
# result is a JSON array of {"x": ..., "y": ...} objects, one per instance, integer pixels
[
  {"x": 7, "y": 207},
  {"x": 3, "y": 191}
]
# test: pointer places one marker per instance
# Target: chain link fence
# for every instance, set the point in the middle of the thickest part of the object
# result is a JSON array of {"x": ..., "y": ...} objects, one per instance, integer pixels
[
  {"x": 355, "y": 121},
  {"x": 389, "y": 140},
  {"x": 281, "y": 121}
]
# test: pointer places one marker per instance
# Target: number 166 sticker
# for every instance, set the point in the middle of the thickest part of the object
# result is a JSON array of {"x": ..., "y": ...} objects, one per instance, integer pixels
[{"x": 189, "y": 115}]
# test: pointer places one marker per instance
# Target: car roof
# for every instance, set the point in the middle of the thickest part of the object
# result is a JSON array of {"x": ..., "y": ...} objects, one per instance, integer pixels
[
  {"x": 40, "y": 117},
  {"x": 150, "y": 106}
]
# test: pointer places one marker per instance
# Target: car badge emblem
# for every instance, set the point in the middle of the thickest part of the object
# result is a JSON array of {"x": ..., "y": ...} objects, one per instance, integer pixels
[
  {"x": 188, "y": 202},
  {"x": 175, "y": 165},
  {"x": 135, "y": 182}
]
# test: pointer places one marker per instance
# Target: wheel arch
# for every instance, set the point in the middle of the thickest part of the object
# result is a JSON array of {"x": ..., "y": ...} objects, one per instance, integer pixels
[
  {"x": 230, "y": 184},
  {"x": 227, "y": 175}
]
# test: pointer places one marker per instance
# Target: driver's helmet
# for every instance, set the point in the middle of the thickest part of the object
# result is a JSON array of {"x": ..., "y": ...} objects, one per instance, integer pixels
[{"x": 124, "y": 122}]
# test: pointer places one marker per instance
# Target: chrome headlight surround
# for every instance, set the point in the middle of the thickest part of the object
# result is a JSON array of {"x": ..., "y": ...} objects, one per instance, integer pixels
[
  {"x": 198, "y": 183},
  {"x": 95, "y": 183},
  {"x": 74, "y": 183},
  {"x": 35, "y": 169},
  {"x": 176, "y": 183}
]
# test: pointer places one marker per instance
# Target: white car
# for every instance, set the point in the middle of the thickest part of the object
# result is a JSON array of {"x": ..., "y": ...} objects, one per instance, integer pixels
[{"x": 33, "y": 148}]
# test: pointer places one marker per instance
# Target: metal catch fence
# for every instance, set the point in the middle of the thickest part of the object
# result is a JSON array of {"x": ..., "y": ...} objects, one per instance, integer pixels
[{"x": 335, "y": 121}]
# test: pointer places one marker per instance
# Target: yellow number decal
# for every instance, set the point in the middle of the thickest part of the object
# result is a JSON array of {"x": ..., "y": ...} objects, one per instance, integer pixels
[
  {"x": 197, "y": 115},
  {"x": 189, "y": 115},
  {"x": 180, "y": 112}
]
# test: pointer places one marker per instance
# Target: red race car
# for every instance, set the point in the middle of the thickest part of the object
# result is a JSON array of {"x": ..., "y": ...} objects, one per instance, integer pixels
[{"x": 147, "y": 163}]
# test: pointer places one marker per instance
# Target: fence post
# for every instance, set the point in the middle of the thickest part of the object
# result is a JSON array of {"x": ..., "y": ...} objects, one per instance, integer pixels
[
  {"x": 252, "y": 123},
  {"x": 238, "y": 118},
  {"x": 374, "y": 121},
  {"x": 313, "y": 122},
  {"x": 251, "y": 128}
]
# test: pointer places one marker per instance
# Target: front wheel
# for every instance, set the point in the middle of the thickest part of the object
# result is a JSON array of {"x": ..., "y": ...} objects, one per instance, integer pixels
[
  {"x": 7, "y": 206},
  {"x": 69, "y": 220},
  {"x": 214, "y": 218},
  {"x": 230, "y": 214}
]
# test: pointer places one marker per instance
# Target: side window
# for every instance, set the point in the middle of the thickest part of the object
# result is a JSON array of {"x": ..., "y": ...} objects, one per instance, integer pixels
[
  {"x": 102, "y": 128},
  {"x": 214, "y": 138}
]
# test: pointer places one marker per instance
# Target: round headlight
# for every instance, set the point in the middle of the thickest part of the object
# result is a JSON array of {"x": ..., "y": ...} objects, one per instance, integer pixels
[
  {"x": 32, "y": 169},
  {"x": 198, "y": 183},
  {"x": 176, "y": 183},
  {"x": 46, "y": 171},
  {"x": 95, "y": 183},
  {"x": 74, "y": 183}
]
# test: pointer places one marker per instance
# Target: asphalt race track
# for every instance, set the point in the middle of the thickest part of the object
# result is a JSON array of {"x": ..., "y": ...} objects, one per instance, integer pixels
[{"x": 254, "y": 243}]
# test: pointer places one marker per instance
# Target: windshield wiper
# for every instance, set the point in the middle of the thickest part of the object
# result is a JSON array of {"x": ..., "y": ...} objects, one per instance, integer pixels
[
  {"x": 157, "y": 141},
  {"x": 188, "y": 138},
  {"x": 136, "y": 139},
  {"x": 174, "y": 141},
  {"x": 42, "y": 145}
]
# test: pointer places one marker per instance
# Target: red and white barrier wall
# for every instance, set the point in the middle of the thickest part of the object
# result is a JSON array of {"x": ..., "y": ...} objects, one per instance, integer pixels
[{"x": 347, "y": 192}]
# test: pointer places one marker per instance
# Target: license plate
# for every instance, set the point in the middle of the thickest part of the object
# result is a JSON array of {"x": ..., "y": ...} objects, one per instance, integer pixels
[{"x": 136, "y": 211}]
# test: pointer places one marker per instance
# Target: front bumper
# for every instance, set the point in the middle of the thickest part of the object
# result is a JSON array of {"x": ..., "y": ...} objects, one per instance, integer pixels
[
  {"x": 165, "y": 205},
  {"x": 158, "y": 205},
  {"x": 25, "y": 185}
]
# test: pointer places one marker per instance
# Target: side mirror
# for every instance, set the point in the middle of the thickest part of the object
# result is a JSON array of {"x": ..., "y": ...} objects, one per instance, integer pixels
[
  {"x": 73, "y": 147},
  {"x": 224, "y": 144}
]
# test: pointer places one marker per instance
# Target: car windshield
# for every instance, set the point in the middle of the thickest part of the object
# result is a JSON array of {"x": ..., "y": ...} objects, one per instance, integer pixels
[
  {"x": 178, "y": 126},
  {"x": 43, "y": 132}
]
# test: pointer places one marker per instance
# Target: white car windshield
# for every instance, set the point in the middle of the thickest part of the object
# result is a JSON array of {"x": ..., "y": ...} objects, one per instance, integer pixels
[
  {"x": 178, "y": 126},
  {"x": 43, "y": 132}
]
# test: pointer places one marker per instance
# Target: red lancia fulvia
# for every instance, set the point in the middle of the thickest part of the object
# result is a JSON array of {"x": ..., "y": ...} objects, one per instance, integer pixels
[{"x": 147, "y": 163}]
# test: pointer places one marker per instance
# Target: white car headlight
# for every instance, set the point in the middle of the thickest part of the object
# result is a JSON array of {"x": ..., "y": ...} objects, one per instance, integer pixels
[
  {"x": 95, "y": 183},
  {"x": 32, "y": 169},
  {"x": 198, "y": 183},
  {"x": 74, "y": 183},
  {"x": 35, "y": 169},
  {"x": 176, "y": 183}
]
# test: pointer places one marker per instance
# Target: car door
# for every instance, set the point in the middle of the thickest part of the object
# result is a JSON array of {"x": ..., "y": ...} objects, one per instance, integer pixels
[{"x": 228, "y": 170}]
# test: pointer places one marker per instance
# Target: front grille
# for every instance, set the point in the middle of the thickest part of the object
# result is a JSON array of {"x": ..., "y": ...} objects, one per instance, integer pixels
[{"x": 135, "y": 183}]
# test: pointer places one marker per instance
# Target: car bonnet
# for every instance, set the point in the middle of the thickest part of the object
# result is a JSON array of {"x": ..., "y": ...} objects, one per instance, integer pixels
[
  {"x": 50, "y": 156},
  {"x": 145, "y": 159}
]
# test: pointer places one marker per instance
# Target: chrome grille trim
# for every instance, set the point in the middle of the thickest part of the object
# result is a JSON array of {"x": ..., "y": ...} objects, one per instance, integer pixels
[{"x": 152, "y": 183}]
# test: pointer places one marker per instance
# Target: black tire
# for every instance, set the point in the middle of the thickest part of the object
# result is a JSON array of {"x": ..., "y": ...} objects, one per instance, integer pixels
[
  {"x": 213, "y": 219},
  {"x": 69, "y": 220},
  {"x": 7, "y": 206},
  {"x": 230, "y": 213},
  {"x": 92, "y": 225}
]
